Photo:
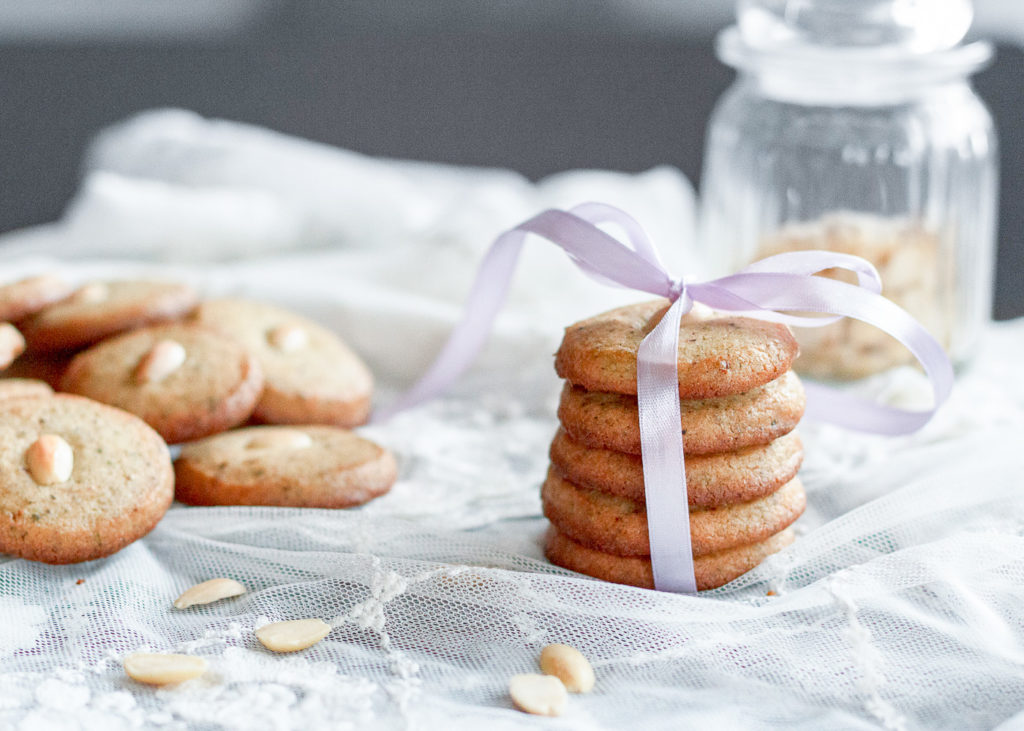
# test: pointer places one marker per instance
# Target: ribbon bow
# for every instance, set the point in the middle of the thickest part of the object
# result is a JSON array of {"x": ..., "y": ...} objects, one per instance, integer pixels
[{"x": 767, "y": 289}]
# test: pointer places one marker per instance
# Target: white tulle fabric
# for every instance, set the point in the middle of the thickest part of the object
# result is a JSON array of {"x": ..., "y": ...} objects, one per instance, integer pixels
[{"x": 900, "y": 606}]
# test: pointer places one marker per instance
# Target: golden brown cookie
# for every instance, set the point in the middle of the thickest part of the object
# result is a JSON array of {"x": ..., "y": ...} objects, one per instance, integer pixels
[
  {"x": 183, "y": 380},
  {"x": 80, "y": 480},
  {"x": 719, "y": 354},
  {"x": 711, "y": 571},
  {"x": 27, "y": 296},
  {"x": 101, "y": 309},
  {"x": 16, "y": 387},
  {"x": 312, "y": 377},
  {"x": 12, "y": 344},
  {"x": 711, "y": 479},
  {"x": 616, "y": 525},
  {"x": 724, "y": 424},
  {"x": 298, "y": 466}
]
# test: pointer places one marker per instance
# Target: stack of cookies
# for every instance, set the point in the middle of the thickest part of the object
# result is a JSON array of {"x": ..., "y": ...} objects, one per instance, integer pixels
[
  {"x": 740, "y": 403},
  {"x": 261, "y": 400}
]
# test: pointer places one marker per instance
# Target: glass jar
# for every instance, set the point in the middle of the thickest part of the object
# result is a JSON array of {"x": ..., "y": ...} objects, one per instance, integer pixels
[{"x": 852, "y": 127}]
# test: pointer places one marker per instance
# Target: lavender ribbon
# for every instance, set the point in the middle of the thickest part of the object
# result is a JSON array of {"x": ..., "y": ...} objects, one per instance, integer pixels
[{"x": 767, "y": 289}]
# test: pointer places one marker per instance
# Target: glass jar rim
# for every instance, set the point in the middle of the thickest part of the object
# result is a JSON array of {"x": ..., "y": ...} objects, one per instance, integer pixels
[{"x": 860, "y": 75}]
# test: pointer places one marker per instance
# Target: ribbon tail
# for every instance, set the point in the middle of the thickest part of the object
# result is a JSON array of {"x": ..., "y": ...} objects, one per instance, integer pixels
[
  {"x": 485, "y": 300},
  {"x": 668, "y": 509}
]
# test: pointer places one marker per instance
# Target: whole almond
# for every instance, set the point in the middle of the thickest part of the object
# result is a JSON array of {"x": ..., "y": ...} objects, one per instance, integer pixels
[
  {"x": 280, "y": 438},
  {"x": 162, "y": 669},
  {"x": 49, "y": 460},
  {"x": 296, "y": 634},
  {"x": 12, "y": 344},
  {"x": 208, "y": 591},
  {"x": 165, "y": 357},
  {"x": 568, "y": 665},
  {"x": 541, "y": 695},
  {"x": 287, "y": 338}
]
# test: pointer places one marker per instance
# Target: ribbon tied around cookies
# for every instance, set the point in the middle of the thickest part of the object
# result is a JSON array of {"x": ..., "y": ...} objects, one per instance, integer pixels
[{"x": 768, "y": 289}]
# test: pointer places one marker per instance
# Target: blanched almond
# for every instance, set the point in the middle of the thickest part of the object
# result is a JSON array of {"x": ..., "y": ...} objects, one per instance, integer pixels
[
  {"x": 162, "y": 669},
  {"x": 568, "y": 665},
  {"x": 165, "y": 357},
  {"x": 208, "y": 591},
  {"x": 12, "y": 344},
  {"x": 293, "y": 635},
  {"x": 287, "y": 338},
  {"x": 280, "y": 438},
  {"x": 49, "y": 460},
  {"x": 541, "y": 695}
]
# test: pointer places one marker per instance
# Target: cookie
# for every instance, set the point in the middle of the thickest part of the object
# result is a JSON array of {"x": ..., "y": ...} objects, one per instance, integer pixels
[
  {"x": 100, "y": 309},
  {"x": 711, "y": 480},
  {"x": 724, "y": 424},
  {"x": 28, "y": 296},
  {"x": 16, "y": 387},
  {"x": 619, "y": 526},
  {"x": 48, "y": 367},
  {"x": 183, "y": 380},
  {"x": 719, "y": 354},
  {"x": 312, "y": 377},
  {"x": 80, "y": 480},
  {"x": 711, "y": 571},
  {"x": 12, "y": 344},
  {"x": 310, "y": 466}
]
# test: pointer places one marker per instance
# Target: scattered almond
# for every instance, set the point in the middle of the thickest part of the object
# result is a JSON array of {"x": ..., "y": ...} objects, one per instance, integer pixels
[
  {"x": 568, "y": 665},
  {"x": 165, "y": 357},
  {"x": 541, "y": 695},
  {"x": 280, "y": 438},
  {"x": 162, "y": 669},
  {"x": 293, "y": 635},
  {"x": 49, "y": 460},
  {"x": 287, "y": 338},
  {"x": 12, "y": 344},
  {"x": 208, "y": 591}
]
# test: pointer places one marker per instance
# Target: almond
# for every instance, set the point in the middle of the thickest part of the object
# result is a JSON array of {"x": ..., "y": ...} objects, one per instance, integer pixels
[
  {"x": 208, "y": 591},
  {"x": 568, "y": 665},
  {"x": 165, "y": 357},
  {"x": 49, "y": 460},
  {"x": 297, "y": 634},
  {"x": 162, "y": 669},
  {"x": 541, "y": 695},
  {"x": 288, "y": 338}
]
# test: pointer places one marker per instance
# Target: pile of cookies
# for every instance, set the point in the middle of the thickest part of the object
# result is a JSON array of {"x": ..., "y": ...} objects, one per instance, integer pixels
[
  {"x": 261, "y": 400},
  {"x": 740, "y": 403}
]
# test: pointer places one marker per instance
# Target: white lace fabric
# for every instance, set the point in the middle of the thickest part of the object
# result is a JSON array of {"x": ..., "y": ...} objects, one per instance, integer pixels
[{"x": 899, "y": 606}]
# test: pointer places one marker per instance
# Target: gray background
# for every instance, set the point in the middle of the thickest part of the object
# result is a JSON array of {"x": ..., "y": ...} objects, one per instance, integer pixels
[{"x": 535, "y": 85}]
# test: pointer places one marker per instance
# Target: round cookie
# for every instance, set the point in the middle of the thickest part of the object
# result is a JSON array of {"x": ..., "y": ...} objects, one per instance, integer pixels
[
  {"x": 12, "y": 344},
  {"x": 27, "y": 296},
  {"x": 101, "y": 309},
  {"x": 118, "y": 480},
  {"x": 310, "y": 466},
  {"x": 17, "y": 387},
  {"x": 312, "y": 377},
  {"x": 183, "y": 380},
  {"x": 711, "y": 571},
  {"x": 724, "y": 424},
  {"x": 719, "y": 354},
  {"x": 619, "y": 526},
  {"x": 711, "y": 479}
]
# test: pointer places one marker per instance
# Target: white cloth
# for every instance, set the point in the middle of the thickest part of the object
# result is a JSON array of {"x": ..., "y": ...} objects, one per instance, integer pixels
[{"x": 901, "y": 604}]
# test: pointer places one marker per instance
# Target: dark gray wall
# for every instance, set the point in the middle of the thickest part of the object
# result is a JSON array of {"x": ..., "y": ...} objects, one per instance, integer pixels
[{"x": 539, "y": 95}]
